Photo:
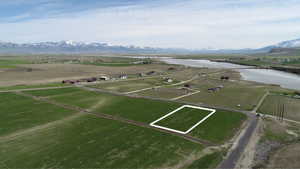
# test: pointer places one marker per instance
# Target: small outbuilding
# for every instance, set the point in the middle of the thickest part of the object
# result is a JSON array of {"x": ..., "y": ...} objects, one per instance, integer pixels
[
  {"x": 224, "y": 78},
  {"x": 104, "y": 78},
  {"x": 141, "y": 74},
  {"x": 171, "y": 68},
  {"x": 187, "y": 85},
  {"x": 93, "y": 79},
  {"x": 169, "y": 80},
  {"x": 151, "y": 73}
]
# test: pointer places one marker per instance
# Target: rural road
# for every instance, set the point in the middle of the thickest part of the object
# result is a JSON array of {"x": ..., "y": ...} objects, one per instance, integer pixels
[
  {"x": 232, "y": 159},
  {"x": 234, "y": 156}
]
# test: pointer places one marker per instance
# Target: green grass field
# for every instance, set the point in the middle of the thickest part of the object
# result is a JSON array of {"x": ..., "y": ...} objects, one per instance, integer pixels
[
  {"x": 142, "y": 110},
  {"x": 11, "y": 63},
  {"x": 292, "y": 106},
  {"x": 19, "y": 113},
  {"x": 183, "y": 119},
  {"x": 217, "y": 128},
  {"x": 39, "y": 135}
]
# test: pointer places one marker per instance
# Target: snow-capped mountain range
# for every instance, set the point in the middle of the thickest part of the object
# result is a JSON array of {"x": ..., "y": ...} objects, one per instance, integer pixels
[
  {"x": 82, "y": 47},
  {"x": 289, "y": 44}
]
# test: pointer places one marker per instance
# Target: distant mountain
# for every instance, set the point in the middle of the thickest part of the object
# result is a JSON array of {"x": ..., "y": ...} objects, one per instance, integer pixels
[
  {"x": 291, "y": 47},
  {"x": 81, "y": 47},
  {"x": 72, "y": 47},
  {"x": 289, "y": 44}
]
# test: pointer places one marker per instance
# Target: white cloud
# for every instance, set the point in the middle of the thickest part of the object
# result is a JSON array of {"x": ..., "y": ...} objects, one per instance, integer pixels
[{"x": 192, "y": 24}]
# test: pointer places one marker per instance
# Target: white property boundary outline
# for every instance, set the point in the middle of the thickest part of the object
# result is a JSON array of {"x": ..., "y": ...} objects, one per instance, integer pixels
[{"x": 182, "y": 107}]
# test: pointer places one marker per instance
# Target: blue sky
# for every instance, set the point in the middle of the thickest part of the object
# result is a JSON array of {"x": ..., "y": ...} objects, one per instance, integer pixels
[{"x": 190, "y": 24}]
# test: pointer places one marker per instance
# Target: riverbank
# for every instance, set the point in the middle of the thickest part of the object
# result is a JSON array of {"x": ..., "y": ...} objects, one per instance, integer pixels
[
  {"x": 262, "y": 75},
  {"x": 261, "y": 66},
  {"x": 287, "y": 69}
]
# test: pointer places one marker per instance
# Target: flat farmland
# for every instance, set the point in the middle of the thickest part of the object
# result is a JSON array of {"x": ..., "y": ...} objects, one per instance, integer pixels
[
  {"x": 220, "y": 127},
  {"x": 137, "y": 109},
  {"x": 51, "y": 137},
  {"x": 292, "y": 106},
  {"x": 217, "y": 128},
  {"x": 164, "y": 92},
  {"x": 131, "y": 85},
  {"x": 19, "y": 113},
  {"x": 230, "y": 95},
  {"x": 183, "y": 119},
  {"x": 51, "y": 73},
  {"x": 11, "y": 63}
]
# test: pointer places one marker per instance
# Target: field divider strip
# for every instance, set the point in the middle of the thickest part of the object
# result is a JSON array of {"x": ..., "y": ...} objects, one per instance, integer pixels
[
  {"x": 190, "y": 94},
  {"x": 118, "y": 118}
]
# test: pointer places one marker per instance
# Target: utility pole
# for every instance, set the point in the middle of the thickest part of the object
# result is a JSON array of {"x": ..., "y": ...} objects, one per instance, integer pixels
[
  {"x": 283, "y": 112},
  {"x": 278, "y": 110}
]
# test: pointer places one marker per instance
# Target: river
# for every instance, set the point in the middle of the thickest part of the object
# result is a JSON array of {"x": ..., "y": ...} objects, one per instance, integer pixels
[{"x": 267, "y": 76}]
